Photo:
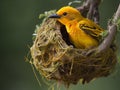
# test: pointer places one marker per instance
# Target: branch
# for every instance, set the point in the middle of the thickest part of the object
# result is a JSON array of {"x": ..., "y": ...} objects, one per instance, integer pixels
[
  {"x": 112, "y": 27},
  {"x": 90, "y": 10}
]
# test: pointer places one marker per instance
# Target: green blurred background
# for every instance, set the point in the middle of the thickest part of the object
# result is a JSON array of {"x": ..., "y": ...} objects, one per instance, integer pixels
[{"x": 18, "y": 19}]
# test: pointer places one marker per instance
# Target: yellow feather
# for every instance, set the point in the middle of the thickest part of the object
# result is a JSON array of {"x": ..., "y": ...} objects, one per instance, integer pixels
[{"x": 83, "y": 33}]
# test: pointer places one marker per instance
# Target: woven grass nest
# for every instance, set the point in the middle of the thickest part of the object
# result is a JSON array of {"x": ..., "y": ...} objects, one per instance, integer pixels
[{"x": 57, "y": 59}]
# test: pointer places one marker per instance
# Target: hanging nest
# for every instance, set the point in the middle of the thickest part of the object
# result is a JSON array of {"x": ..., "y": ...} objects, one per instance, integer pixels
[{"x": 57, "y": 59}]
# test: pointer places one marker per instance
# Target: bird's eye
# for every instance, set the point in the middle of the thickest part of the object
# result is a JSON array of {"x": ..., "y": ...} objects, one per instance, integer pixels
[{"x": 64, "y": 13}]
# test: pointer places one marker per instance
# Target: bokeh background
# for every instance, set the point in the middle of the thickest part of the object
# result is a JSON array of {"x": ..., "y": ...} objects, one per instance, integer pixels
[{"x": 18, "y": 20}]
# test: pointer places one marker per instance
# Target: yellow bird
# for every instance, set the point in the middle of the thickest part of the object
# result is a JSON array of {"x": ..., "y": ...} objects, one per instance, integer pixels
[{"x": 83, "y": 33}]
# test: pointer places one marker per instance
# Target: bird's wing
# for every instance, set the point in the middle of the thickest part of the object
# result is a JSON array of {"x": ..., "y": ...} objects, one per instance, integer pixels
[{"x": 91, "y": 29}]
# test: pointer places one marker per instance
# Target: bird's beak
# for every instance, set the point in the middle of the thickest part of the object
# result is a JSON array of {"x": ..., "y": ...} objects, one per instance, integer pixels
[{"x": 54, "y": 16}]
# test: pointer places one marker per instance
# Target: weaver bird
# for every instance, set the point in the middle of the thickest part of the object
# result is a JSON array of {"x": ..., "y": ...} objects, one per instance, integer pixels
[{"x": 83, "y": 33}]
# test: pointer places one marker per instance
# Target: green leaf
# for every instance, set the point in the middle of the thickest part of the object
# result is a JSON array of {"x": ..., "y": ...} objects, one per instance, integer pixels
[
  {"x": 46, "y": 14},
  {"x": 76, "y": 1},
  {"x": 104, "y": 34}
]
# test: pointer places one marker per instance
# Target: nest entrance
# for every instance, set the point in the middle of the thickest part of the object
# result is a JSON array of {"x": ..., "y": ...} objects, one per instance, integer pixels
[
  {"x": 56, "y": 60},
  {"x": 65, "y": 35}
]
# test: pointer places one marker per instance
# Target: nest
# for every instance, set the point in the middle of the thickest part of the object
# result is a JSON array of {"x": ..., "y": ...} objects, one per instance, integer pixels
[{"x": 57, "y": 59}]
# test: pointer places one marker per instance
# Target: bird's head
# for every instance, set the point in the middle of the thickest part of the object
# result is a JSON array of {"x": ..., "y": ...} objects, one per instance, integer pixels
[{"x": 67, "y": 14}]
